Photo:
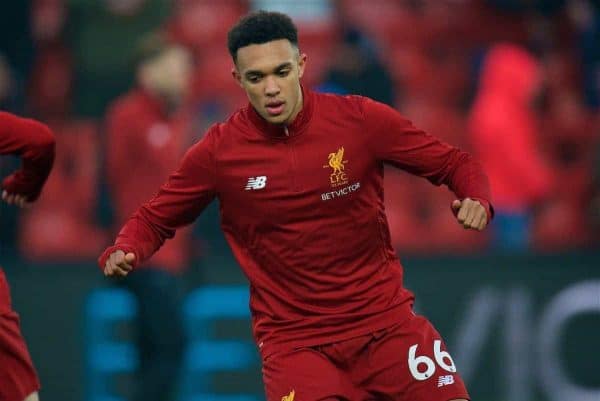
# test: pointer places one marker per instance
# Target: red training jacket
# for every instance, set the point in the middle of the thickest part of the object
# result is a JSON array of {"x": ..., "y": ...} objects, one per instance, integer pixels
[
  {"x": 145, "y": 145},
  {"x": 302, "y": 209},
  {"x": 34, "y": 143},
  {"x": 504, "y": 131}
]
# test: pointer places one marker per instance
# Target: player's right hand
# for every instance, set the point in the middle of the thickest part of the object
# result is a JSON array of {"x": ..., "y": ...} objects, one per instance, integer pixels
[{"x": 119, "y": 263}]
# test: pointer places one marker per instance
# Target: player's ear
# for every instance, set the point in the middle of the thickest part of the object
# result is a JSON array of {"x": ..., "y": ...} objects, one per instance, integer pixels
[
  {"x": 236, "y": 75},
  {"x": 301, "y": 64}
]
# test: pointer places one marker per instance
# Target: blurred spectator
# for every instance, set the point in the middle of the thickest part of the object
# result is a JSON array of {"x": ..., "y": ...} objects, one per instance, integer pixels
[
  {"x": 146, "y": 138},
  {"x": 358, "y": 70},
  {"x": 505, "y": 138},
  {"x": 51, "y": 81},
  {"x": 103, "y": 35}
]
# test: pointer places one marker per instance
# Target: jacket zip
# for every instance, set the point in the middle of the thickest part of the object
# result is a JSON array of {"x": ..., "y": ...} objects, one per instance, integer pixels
[{"x": 293, "y": 162}]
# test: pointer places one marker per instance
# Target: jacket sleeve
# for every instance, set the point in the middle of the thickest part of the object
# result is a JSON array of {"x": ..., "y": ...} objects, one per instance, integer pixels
[
  {"x": 35, "y": 144},
  {"x": 395, "y": 141},
  {"x": 178, "y": 202}
]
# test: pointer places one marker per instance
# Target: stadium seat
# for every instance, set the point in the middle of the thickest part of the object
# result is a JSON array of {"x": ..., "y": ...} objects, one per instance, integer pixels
[
  {"x": 412, "y": 70},
  {"x": 421, "y": 220},
  {"x": 106, "y": 355},
  {"x": 65, "y": 213},
  {"x": 561, "y": 223},
  {"x": 201, "y": 23},
  {"x": 386, "y": 21},
  {"x": 207, "y": 354}
]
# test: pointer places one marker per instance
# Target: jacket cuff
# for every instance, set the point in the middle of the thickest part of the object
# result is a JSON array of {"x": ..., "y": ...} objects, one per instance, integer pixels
[{"x": 108, "y": 251}]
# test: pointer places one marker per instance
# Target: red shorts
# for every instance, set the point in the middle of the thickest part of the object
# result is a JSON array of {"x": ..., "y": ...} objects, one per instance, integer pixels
[
  {"x": 406, "y": 362},
  {"x": 18, "y": 378}
]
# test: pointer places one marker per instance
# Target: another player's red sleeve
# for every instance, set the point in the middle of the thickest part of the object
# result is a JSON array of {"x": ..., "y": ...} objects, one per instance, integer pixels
[
  {"x": 178, "y": 202},
  {"x": 397, "y": 142},
  {"x": 34, "y": 142}
]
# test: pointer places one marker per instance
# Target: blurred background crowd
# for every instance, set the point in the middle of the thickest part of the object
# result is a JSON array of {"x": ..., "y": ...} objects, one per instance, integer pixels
[
  {"x": 515, "y": 82},
  {"x": 128, "y": 85}
]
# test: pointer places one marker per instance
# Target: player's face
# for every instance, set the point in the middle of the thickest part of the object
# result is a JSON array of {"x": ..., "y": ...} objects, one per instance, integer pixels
[
  {"x": 169, "y": 73},
  {"x": 270, "y": 74}
]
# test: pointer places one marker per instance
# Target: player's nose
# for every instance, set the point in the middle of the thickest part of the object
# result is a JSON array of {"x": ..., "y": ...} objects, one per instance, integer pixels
[{"x": 271, "y": 86}]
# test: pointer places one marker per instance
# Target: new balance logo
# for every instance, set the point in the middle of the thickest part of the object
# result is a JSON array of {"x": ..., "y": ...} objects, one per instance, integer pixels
[
  {"x": 445, "y": 380},
  {"x": 256, "y": 182}
]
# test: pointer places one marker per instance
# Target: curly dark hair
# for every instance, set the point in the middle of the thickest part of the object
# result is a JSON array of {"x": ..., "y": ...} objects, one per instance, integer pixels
[{"x": 260, "y": 27}]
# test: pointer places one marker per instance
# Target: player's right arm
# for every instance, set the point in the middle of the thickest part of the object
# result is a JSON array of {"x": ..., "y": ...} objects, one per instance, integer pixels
[
  {"x": 34, "y": 143},
  {"x": 178, "y": 202}
]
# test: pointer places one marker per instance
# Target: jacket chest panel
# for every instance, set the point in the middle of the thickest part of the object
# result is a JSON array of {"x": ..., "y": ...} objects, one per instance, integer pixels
[{"x": 289, "y": 179}]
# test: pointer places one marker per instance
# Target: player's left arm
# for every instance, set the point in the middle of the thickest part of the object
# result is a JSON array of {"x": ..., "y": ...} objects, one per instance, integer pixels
[
  {"x": 396, "y": 141},
  {"x": 34, "y": 143}
]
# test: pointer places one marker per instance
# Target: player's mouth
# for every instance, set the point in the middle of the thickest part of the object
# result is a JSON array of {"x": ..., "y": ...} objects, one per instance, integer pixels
[{"x": 275, "y": 108}]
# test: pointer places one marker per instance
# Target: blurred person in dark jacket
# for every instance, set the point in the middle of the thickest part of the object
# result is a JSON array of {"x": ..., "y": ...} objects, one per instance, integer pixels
[
  {"x": 146, "y": 128},
  {"x": 504, "y": 135},
  {"x": 103, "y": 36},
  {"x": 358, "y": 70}
]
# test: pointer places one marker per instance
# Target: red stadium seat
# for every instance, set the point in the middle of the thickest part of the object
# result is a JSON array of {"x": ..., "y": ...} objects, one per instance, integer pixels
[
  {"x": 421, "y": 220},
  {"x": 317, "y": 40},
  {"x": 200, "y": 23},
  {"x": 439, "y": 120},
  {"x": 61, "y": 225},
  {"x": 213, "y": 84},
  {"x": 412, "y": 70},
  {"x": 561, "y": 224},
  {"x": 50, "y": 84},
  {"x": 386, "y": 21}
]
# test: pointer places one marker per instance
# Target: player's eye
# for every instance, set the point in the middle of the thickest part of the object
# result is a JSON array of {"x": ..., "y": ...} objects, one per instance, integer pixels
[
  {"x": 283, "y": 73},
  {"x": 254, "y": 78}
]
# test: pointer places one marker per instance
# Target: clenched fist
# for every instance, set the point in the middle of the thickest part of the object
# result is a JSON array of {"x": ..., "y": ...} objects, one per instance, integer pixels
[
  {"x": 470, "y": 213},
  {"x": 119, "y": 263}
]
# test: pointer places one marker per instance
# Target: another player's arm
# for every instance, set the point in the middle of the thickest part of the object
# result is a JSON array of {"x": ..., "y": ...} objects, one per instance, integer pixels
[
  {"x": 178, "y": 202},
  {"x": 34, "y": 143},
  {"x": 397, "y": 142}
]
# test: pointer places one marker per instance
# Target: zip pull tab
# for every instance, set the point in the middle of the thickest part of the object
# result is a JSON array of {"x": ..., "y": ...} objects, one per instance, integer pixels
[{"x": 287, "y": 132}]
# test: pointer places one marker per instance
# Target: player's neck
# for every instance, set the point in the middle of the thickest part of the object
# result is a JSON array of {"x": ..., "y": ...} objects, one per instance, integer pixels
[{"x": 296, "y": 111}]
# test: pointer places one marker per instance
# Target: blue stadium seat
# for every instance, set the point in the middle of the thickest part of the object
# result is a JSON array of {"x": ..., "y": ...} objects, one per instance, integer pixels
[
  {"x": 206, "y": 353},
  {"x": 105, "y": 355}
]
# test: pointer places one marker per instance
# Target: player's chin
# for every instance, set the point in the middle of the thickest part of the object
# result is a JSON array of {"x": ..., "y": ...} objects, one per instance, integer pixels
[{"x": 277, "y": 120}]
